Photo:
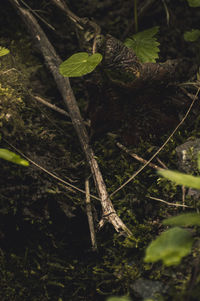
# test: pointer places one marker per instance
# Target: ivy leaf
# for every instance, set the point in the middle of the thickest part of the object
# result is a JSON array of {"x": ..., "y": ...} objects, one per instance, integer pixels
[
  {"x": 145, "y": 45},
  {"x": 181, "y": 178},
  {"x": 194, "y": 3},
  {"x": 187, "y": 219},
  {"x": 80, "y": 64},
  {"x": 170, "y": 247},
  {"x": 12, "y": 157},
  {"x": 3, "y": 51},
  {"x": 192, "y": 35}
]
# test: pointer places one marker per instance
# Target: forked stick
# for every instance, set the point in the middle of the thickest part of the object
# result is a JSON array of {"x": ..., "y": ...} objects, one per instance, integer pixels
[{"x": 53, "y": 61}]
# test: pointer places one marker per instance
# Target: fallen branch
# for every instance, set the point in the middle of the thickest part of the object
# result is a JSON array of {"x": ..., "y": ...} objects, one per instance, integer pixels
[
  {"x": 53, "y": 61},
  {"x": 170, "y": 204},
  {"x": 89, "y": 215},
  {"x": 50, "y": 105},
  {"x": 136, "y": 156}
]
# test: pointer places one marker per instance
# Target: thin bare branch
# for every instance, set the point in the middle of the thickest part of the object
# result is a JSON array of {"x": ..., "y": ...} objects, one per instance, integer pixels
[
  {"x": 50, "y": 105},
  {"x": 136, "y": 156},
  {"x": 161, "y": 163},
  {"x": 89, "y": 215},
  {"x": 38, "y": 16},
  {"x": 75, "y": 19},
  {"x": 80, "y": 23},
  {"x": 53, "y": 61},
  {"x": 70, "y": 186},
  {"x": 170, "y": 204}
]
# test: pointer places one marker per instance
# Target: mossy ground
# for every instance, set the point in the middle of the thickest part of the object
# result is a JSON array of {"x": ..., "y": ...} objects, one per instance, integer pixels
[{"x": 45, "y": 243}]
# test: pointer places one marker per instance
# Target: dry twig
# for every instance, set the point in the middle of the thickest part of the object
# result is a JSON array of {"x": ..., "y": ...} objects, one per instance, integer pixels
[
  {"x": 89, "y": 215},
  {"x": 136, "y": 156},
  {"x": 53, "y": 61},
  {"x": 170, "y": 204},
  {"x": 50, "y": 105}
]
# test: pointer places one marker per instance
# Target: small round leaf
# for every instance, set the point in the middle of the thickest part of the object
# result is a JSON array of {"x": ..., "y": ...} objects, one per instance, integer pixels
[{"x": 80, "y": 64}]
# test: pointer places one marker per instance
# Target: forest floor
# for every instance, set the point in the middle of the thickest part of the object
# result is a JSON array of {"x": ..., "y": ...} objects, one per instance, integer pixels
[{"x": 45, "y": 248}]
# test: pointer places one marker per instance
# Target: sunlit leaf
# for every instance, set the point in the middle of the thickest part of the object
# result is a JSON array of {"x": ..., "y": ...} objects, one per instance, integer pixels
[
  {"x": 12, "y": 157},
  {"x": 192, "y": 35},
  {"x": 194, "y": 3},
  {"x": 181, "y": 178},
  {"x": 145, "y": 45},
  {"x": 3, "y": 51},
  {"x": 80, "y": 64},
  {"x": 187, "y": 219},
  {"x": 170, "y": 247}
]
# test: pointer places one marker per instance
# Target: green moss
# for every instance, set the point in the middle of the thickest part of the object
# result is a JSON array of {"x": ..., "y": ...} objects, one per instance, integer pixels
[{"x": 16, "y": 70}]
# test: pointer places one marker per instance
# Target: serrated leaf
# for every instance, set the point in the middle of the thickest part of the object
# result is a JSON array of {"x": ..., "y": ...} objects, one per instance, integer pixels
[
  {"x": 194, "y": 3},
  {"x": 181, "y": 178},
  {"x": 170, "y": 247},
  {"x": 3, "y": 51},
  {"x": 145, "y": 45},
  {"x": 187, "y": 219},
  {"x": 12, "y": 157},
  {"x": 192, "y": 35},
  {"x": 80, "y": 64}
]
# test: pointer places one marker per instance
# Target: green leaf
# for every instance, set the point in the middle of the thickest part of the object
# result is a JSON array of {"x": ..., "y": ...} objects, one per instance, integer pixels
[
  {"x": 145, "y": 45},
  {"x": 187, "y": 219},
  {"x": 3, "y": 51},
  {"x": 170, "y": 247},
  {"x": 118, "y": 299},
  {"x": 192, "y": 35},
  {"x": 12, "y": 157},
  {"x": 80, "y": 64},
  {"x": 198, "y": 161},
  {"x": 181, "y": 178},
  {"x": 194, "y": 3}
]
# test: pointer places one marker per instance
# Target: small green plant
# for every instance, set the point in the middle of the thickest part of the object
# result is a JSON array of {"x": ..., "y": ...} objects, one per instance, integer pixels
[
  {"x": 5, "y": 153},
  {"x": 12, "y": 157},
  {"x": 3, "y": 51},
  {"x": 172, "y": 245},
  {"x": 80, "y": 64},
  {"x": 118, "y": 299},
  {"x": 192, "y": 35},
  {"x": 135, "y": 16},
  {"x": 145, "y": 45},
  {"x": 194, "y": 3}
]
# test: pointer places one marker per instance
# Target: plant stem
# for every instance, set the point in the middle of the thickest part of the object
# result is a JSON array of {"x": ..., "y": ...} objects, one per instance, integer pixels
[{"x": 135, "y": 16}]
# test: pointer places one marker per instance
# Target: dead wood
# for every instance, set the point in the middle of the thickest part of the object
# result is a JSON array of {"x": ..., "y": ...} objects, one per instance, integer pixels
[{"x": 53, "y": 61}]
